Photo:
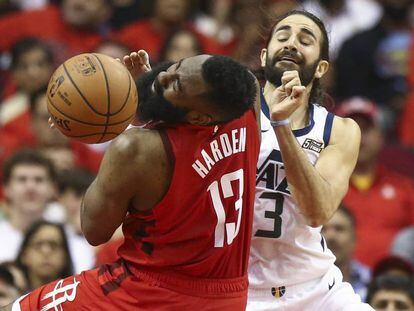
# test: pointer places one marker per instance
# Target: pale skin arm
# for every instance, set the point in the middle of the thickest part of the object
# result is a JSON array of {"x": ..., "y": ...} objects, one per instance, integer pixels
[{"x": 318, "y": 190}]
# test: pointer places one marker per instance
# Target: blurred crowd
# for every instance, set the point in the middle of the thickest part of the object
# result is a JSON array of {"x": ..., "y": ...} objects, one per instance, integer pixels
[{"x": 44, "y": 174}]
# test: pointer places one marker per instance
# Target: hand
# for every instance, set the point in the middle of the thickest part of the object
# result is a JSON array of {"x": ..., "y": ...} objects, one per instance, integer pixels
[
  {"x": 137, "y": 63},
  {"x": 51, "y": 123},
  {"x": 287, "y": 97}
]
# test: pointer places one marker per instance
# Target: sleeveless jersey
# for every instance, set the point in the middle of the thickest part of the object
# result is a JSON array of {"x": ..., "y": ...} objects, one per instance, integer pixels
[
  {"x": 285, "y": 250},
  {"x": 202, "y": 226}
]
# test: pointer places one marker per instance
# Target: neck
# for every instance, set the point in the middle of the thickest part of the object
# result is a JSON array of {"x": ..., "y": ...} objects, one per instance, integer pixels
[
  {"x": 300, "y": 117},
  {"x": 21, "y": 221},
  {"x": 345, "y": 268}
]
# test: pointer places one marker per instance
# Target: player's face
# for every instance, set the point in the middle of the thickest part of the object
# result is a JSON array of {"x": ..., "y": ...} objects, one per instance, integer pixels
[
  {"x": 389, "y": 300},
  {"x": 29, "y": 189},
  {"x": 295, "y": 45},
  {"x": 340, "y": 237},
  {"x": 45, "y": 255},
  {"x": 173, "y": 92}
]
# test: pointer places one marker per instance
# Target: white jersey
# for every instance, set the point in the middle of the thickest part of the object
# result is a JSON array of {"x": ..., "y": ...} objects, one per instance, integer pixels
[{"x": 286, "y": 251}]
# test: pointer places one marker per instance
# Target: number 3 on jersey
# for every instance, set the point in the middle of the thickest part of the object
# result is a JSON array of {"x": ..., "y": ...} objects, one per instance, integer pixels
[
  {"x": 275, "y": 215},
  {"x": 231, "y": 229}
]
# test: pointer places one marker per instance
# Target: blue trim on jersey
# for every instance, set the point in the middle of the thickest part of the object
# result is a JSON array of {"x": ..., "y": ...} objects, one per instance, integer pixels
[
  {"x": 328, "y": 128},
  {"x": 263, "y": 104},
  {"x": 306, "y": 129},
  {"x": 297, "y": 133}
]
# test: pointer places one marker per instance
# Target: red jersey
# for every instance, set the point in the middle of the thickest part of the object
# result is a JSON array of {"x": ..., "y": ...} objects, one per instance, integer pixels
[{"x": 202, "y": 227}]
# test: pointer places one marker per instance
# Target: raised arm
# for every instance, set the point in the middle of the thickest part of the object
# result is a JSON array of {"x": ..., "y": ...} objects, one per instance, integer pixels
[
  {"x": 318, "y": 189},
  {"x": 131, "y": 174}
]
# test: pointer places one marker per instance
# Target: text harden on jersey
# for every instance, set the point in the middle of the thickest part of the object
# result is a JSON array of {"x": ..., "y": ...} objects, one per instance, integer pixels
[{"x": 222, "y": 147}]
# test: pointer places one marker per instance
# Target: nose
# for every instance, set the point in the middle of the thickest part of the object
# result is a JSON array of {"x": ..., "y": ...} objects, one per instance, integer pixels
[
  {"x": 291, "y": 44},
  {"x": 165, "y": 78}
]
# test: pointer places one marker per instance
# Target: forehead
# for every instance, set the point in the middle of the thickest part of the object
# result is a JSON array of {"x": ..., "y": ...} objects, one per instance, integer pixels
[
  {"x": 297, "y": 23},
  {"x": 47, "y": 233},
  {"x": 28, "y": 170},
  {"x": 190, "y": 72}
]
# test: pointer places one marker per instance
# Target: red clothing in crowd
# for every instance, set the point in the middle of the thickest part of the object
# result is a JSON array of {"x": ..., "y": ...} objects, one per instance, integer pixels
[
  {"x": 143, "y": 35},
  {"x": 46, "y": 24},
  {"x": 380, "y": 212},
  {"x": 18, "y": 134}
]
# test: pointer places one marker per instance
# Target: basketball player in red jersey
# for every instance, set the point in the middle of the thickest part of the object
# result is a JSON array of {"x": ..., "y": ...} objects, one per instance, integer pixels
[{"x": 182, "y": 188}]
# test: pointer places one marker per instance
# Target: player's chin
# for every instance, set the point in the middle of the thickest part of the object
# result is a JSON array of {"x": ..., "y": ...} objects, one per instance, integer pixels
[{"x": 286, "y": 65}]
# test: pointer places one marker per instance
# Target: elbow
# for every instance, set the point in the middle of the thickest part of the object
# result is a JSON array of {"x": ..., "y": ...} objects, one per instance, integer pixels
[
  {"x": 93, "y": 235},
  {"x": 95, "y": 240},
  {"x": 321, "y": 217}
]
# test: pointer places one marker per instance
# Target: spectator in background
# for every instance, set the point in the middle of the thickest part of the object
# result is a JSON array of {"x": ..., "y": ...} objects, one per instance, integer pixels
[
  {"x": 381, "y": 200},
  {"x": 180, "y": 44},
  {"x": 18, "y": 275},
  {"x": 52, "y": 143},
  {"x": 44, "y": 254},
  {"x": 112, "y": 48},
  {"x": 374, "y": 62},
  {"x": 403, "y": 244},
  {"x": 77, "y": 26},
  {"x": 392, "y": 265},
  {"x": 8, "y": 290},
  {"x": 72, "y": 187},
  {"x": 344, "y": 18},
  {"x": 31, "y": 67},
  {"x": 167, "y": 16},
  {"x": 28, "y": 186},
  {"x": 391, "y": 293},
  {"x": 339, "y": 233}
]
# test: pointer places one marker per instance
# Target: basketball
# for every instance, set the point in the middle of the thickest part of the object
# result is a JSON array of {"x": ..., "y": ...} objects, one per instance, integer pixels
[{"x": 92, "y": 98}]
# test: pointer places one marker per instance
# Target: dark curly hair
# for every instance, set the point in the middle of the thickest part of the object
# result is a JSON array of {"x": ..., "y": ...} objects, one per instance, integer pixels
[{"x": 232, "y": 86}]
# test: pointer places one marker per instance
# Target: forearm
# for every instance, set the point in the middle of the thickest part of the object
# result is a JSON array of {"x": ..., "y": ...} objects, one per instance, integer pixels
[{"x": 311, "y": 192}]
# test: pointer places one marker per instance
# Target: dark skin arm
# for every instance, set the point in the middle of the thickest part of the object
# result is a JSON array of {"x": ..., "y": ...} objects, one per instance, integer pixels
[{"x": 135, "y": 169}]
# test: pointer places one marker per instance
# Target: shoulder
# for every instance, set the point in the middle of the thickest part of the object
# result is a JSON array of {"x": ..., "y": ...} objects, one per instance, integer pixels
[
  {"x": 136, "y": 143},
  {"x": 345, "y": 130}
]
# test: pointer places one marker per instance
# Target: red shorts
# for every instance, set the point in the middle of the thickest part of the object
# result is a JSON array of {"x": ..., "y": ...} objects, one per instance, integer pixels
[{"x": 112, "y": 287}]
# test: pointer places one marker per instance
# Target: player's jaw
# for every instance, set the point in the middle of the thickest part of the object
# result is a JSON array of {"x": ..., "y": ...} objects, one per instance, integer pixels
[
  {"x": 152, "y": 104},
  {"x": 289, "y": 60}
]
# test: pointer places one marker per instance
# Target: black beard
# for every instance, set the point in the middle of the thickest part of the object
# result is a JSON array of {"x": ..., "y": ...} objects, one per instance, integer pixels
[
  {"x": 152, "y": 106},
  {"x": 274, "y": 74}
]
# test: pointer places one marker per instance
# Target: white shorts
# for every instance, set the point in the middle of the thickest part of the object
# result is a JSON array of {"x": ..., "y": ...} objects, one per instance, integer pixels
[{"x": 328, "y": 293}]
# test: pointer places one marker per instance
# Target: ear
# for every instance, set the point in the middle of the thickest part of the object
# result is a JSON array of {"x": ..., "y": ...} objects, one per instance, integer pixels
[
  {"x": 263, "y": 56},
  {"x": 322, "y": 68},
  {"x": 198, "y": 118}
]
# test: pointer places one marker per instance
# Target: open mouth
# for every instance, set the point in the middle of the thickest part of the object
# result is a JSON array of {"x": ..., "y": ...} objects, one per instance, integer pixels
[{"x": 288, "y": 59}]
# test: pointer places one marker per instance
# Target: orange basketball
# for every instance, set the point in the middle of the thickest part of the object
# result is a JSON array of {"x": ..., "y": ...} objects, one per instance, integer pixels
[{"x": 92, "y": 98}]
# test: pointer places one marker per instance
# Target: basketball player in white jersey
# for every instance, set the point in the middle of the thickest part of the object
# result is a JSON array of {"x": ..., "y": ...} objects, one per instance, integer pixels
[{"x": 307, "y": 156}]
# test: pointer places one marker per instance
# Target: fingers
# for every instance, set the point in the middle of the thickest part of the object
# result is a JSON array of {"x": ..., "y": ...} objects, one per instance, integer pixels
[
  {"x": 298, "y": 91},
  {"x": 288, "y": 76},
  {"x": 144, "y": 58},
  {"x": 51, "y": 123},
  {"x": 291, "y": 84}
]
